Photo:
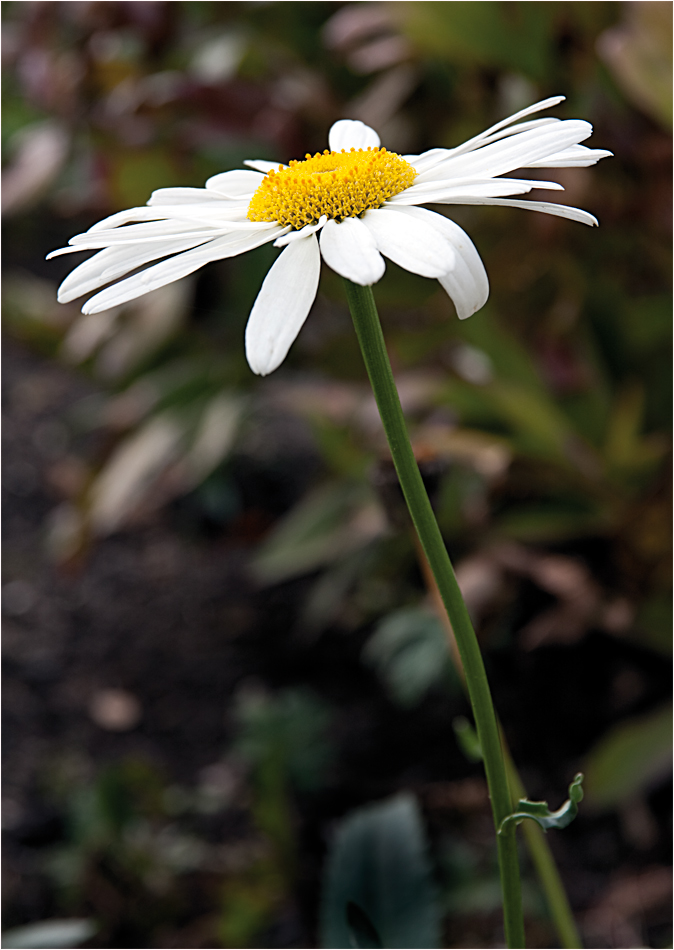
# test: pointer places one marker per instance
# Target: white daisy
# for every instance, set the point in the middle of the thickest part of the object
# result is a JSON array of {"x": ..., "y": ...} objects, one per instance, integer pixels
[{"x": 352, "y": 205}]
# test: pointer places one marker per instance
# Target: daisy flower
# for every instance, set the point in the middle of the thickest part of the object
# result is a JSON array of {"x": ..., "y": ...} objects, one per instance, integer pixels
[{"x": 353, "y": 205}]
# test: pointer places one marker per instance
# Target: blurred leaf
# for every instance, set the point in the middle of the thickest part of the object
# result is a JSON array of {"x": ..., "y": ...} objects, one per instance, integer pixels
[
  {"x": 626, "y": 450},
  {"x": 331, "y": 522},
  {"x": 143, "y": 326},
  {"x": 517, "y": 35},
  {"x": 135, "y": 174},
  {"x": 290, "y": 730},
  {"x": 539, "y": 427},
  {"x": 647, "y": 322},
  {"x": 132, "y": 470},
  {"x": 630, "y": 757},
  {"x": 466, "y": 736},
  {"x": 410, "y": 654},
  {"x": 639, "y": 54},
  {"x": 552, "y": 521},
  {"x": 541, "y": 814},
  {"x": 249, "y": 902},
  {"x": 50, "y": 933},
  {"x": 215, "y": 435},
  {"x": 508, "y": 358},
  {"x": 40, "y": 152},
  {"x": 332, "y": 588},
  {"x": 379, "y": 861}
]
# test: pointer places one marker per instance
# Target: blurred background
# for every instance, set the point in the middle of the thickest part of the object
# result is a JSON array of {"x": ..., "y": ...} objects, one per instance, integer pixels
[{"x": 218, "y": 638}]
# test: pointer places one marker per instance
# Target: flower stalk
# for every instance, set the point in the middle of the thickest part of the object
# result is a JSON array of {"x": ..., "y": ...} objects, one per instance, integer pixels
[{"x": 371, "y": 340}]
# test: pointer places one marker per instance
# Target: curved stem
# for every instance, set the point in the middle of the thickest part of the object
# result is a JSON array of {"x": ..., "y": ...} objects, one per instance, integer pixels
[{"x": 368, "y": 329}]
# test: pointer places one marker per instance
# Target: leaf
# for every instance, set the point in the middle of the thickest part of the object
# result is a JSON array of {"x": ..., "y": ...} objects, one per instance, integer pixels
[
  {"x": 132, "y": 470},
  {"x": 516, "y": 36},
  {"x": 331, "y": 522},
  {"x": 541, "y": 814},
  {"x": 639, "y": 54},
  {"x": 50, "y": 933},
  {"x": 379, "y": 862},
  {"x": 467, "y": 739},
  {"x": 289, "y": 729},
  {"x": 215, "y": 435},
  {"x": 629, "y": 758},
  {"x": 410, "y": 654}
]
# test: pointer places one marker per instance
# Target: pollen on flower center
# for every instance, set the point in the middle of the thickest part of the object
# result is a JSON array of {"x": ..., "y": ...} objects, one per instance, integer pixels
[{"x": 337, "y": 184}]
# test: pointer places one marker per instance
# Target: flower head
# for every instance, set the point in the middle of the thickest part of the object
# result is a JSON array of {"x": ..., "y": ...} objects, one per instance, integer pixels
[{"x": 353, "y": 205}]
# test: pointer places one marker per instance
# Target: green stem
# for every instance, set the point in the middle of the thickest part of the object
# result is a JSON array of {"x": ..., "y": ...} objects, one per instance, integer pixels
[
  {"x": 535, "y": 839},
  {"x": 368, "y": 329}
]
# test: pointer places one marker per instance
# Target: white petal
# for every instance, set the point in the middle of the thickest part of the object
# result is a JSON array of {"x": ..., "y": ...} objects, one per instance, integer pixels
[
  {"x": 547, "y": 207},
  {"x": 223, "y": 209},
  {"x": 576, "y": 156},
  {"x": 487, "y": 138},
  {"x": 350, "y": 249},
  {"x": 410, "y": 243},
  {"x": 467, "y": 283},
  {"x": 282, "y": 306},
  {"x": 301, "y": 233},
  {"x": 173, "y": 269},
  {"x": 515, "y": 151},
  {"x": 434, "y": 156},
  {"x": 174, "y": 196},
  {"x": 146, "y": 232},
  {"x": 430, "y": 158},
  {"x": 157, "y": 230},
  {"x": 536, "y": 107},
  {"x": 260, "y": 165},
  {"x": 236, "y": 183},
  {"x": 114, "y": 262},
  {"x": 444, "y": 192},
  {"x": 351, "y": 133}
]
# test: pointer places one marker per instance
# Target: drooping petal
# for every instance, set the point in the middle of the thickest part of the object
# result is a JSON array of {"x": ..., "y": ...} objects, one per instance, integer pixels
[
  {"x": 301, "y": 233},
  {"x": 221, "y": 210},
  {"x": 283, "y": 304},
  {"x": 576, "y": 156},
  {"x": 410, "y": 243},
  {"x": 445, "y": 191},
  {"x": 149, "y": 231},
  {"x": 349, "y": 248},
  {"x": 114, "y": 262},
  {"x": 547, "y": 207},
  {"x": 174, "y": 268},
  {"x": 159, "y": 231},
  {"x": 351, "y": 133},
  {"x": 467, "y": 283}
]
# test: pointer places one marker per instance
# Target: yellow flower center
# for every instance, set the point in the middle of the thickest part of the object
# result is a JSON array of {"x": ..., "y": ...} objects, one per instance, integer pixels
[{"x": 337, "y": 184}]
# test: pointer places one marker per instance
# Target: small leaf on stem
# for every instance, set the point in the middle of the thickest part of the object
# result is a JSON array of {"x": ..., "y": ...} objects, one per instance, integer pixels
[{"x": 540, "y": 812}]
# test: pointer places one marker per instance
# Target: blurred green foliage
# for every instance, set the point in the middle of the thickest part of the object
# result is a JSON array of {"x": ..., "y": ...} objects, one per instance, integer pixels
[{"x": 378, "y": 889}]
